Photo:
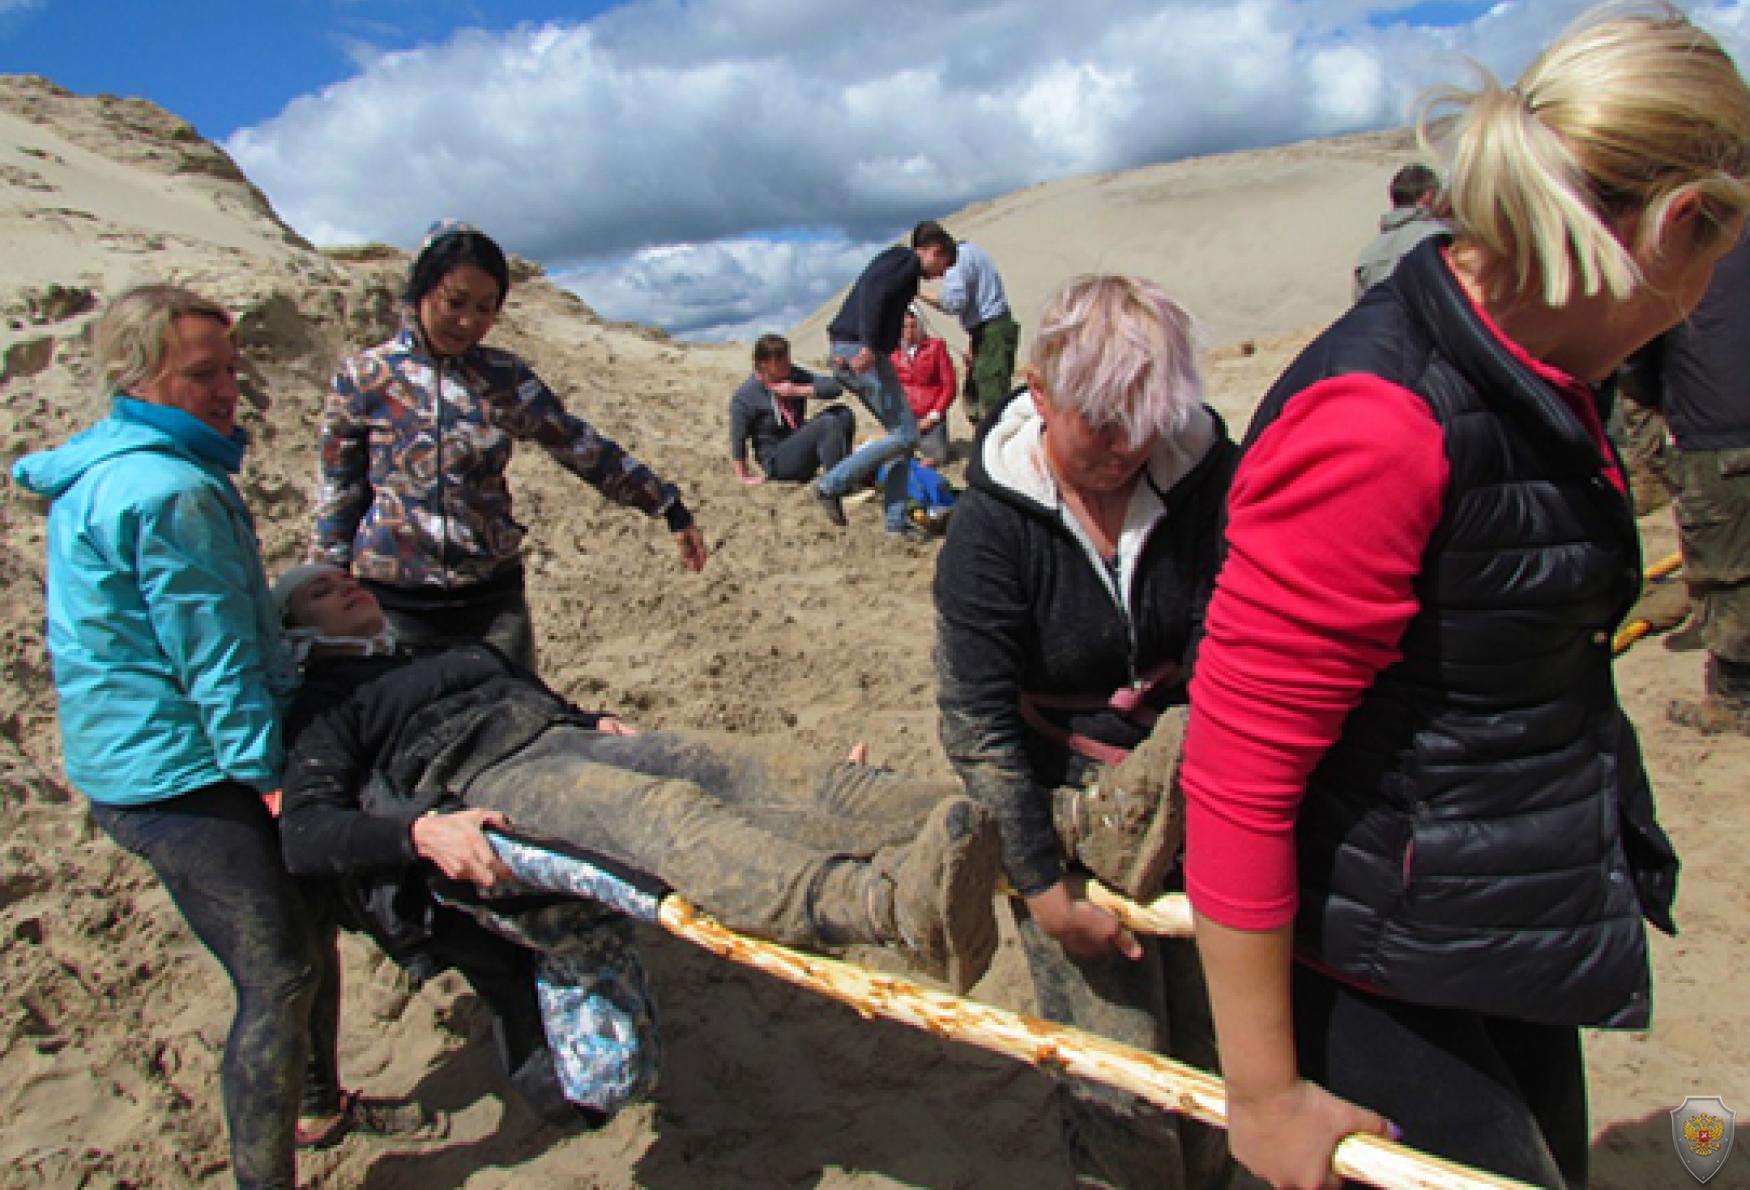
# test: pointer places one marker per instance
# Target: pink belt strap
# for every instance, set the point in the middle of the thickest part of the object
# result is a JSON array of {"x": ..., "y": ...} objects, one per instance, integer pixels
[{"x": 1127, "y": 701}]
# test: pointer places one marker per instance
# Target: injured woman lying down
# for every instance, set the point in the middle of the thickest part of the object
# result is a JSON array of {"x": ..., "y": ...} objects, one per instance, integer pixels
[{"x": 398, "y": 762}]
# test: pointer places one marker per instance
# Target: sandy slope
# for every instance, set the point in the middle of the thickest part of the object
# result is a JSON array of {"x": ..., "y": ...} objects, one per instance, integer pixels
[{"x": 111, "y": 1016}]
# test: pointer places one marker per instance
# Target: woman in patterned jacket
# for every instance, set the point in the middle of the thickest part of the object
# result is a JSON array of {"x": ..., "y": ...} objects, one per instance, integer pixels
[{"x": 416, "y": 436}]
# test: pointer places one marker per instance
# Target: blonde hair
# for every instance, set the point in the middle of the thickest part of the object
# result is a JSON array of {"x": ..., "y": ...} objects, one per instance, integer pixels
[
  {"x": 1120, "y": 352},
  {"x": 1630, "y": 111},
  {"x": 133, "y": 336}
]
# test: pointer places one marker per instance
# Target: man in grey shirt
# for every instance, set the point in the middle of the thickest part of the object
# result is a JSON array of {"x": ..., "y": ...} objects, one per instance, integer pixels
[
  {"x": 1414, "y": 191},
  {"x": 973, "y": 291}
]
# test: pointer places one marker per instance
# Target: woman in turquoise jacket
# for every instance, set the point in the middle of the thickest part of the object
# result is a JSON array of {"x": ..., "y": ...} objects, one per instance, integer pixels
[{"x": 170, "y": 676}]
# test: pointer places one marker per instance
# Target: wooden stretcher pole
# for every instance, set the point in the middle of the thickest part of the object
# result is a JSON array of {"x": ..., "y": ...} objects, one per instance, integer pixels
[
  {"x": 1167, "y": 1084},
  {"x": 1670, "y": 564},
  {"x": 1167, "y": 916}
]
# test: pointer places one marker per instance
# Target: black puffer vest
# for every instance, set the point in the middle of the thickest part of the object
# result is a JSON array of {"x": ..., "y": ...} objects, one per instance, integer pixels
[{"x": 1462, "y": 845}]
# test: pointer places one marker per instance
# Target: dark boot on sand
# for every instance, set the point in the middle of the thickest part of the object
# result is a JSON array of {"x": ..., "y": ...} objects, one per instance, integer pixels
[
  {"x": 1726, "y": 708},
  {"x": 931, "y": 898},
  {"x": 1128, "y": 825}
]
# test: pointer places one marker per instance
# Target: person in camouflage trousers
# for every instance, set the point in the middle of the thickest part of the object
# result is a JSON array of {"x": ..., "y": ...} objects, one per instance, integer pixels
[{"x": 1696, "y": 374}]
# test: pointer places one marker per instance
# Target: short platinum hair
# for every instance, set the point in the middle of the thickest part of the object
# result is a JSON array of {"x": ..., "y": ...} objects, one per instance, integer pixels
[
  {"x": 133, "y": 336},
  {"x": 1120, "y": 352}
]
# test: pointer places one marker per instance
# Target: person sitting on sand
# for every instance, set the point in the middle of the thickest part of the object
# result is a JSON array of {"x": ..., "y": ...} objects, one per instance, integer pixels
[
  {"x": 927, "y": 374},
  {"x": 398, "y": 762},
  {"x": 769, "y": 410}
]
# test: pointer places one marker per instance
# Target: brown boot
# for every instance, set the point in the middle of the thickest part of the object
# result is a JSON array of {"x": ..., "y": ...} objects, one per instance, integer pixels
[
  {"x": 931, "y": 898},
  {"x": 1711, "y": 715},
  {"x": 1128, "y": 826},
  {"x": 1726, "y": 707}
]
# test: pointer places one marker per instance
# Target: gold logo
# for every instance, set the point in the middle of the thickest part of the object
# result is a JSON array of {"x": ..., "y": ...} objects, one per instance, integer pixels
[{"x": 1702, "y": 1134}]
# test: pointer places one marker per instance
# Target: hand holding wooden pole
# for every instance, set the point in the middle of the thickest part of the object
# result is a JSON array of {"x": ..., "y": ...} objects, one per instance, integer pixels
[{"x": 1632, "y": 631}]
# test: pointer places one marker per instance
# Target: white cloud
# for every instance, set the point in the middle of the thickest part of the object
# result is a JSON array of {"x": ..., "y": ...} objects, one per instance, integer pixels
[
  {"x": 662, "y": 157},
  {"x": 730, "y": 289}
]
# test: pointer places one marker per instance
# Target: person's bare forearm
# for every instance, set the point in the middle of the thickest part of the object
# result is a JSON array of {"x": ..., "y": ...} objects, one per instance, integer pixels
[
  {"x": 1248, "y": 976},
  {"x": 1282, "y": 1128}
]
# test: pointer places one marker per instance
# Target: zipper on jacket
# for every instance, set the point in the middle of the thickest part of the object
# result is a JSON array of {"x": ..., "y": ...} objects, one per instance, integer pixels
[{"x": 438, "y": 460}]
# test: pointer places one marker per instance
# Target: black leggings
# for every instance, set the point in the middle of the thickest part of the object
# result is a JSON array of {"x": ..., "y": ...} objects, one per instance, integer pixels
[
  {"x": 1502, "y": 1095},
  {"x": 503, "y": 974},
  {"x": 217, "y": 851}
]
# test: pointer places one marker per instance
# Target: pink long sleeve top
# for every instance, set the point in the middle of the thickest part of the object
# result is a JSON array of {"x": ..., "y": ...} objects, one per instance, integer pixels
[{"x": 1330, "y": 514}]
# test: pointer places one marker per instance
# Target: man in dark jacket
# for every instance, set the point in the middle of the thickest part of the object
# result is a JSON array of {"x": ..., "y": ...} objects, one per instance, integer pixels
[
  {"x": 863, "y": 338},
  {"x": 1696, "y": 373}
]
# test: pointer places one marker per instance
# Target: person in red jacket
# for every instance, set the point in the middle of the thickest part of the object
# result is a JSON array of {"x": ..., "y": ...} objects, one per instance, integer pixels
[{"x": 924, "y": 369}]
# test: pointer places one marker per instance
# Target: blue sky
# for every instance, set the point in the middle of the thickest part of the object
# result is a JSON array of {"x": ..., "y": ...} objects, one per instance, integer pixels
[
  {"x": 223, "y": 66},
  {"x": 719, "y": 167}
]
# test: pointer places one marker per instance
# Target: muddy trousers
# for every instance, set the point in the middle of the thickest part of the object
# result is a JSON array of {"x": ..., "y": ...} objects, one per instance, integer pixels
[
  {"x": 819, "y": 444},
  {"x": 1158, "y": 1004},
  {"x": 322, "y": 1096},
  {"x": 217, "y": 851},
  {"x": 746, "y": 838},
  {"x": 1713, "y": 524}
]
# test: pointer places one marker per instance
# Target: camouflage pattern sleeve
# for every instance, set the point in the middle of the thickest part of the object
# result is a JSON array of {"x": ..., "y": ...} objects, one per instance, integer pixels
[
  {"x": 343, "y": 486},
  {"x": 539, "y": 417}
]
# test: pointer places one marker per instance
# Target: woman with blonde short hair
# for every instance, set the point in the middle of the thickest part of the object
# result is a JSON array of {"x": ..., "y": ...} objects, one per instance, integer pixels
[
  {"x": 1421, "y": 840},
  {"x": 1067, "y": 595}
]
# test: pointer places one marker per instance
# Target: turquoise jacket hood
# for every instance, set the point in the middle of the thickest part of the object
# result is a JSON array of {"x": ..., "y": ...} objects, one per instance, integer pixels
[
  {"x": 168, "y": 663},
  {"x": 132, "y": 425}
]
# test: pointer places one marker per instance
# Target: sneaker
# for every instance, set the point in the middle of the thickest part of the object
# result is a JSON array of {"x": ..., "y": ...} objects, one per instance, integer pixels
[
  {"x": 911, "y": 532},
  {"x": 829, "y": 504}
]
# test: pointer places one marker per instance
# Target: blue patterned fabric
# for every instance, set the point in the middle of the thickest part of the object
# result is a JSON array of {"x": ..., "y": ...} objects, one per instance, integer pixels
[{"x": 596, "y": 1007}]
